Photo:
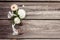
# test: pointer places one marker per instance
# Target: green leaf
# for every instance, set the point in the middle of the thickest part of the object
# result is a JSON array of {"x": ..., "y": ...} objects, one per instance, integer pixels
[{"x": 16, "y": 13}]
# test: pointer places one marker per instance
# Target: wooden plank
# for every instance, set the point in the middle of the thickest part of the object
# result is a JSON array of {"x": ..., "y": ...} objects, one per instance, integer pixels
[
  {"x": 29, "y": 39},
  {"x": 32, "y": 5},
  {"x": 5, "y": 27},
  {"x": 37, "y": 29},
  {"x": 5, "y": 39},
  {"x": 29, "y": 0},
  {"x": 36, "y": 15},
  {"x": 38, "y": 39},
  {"x": 11, "y": 39},
  {"x": 33, "y": 10}
]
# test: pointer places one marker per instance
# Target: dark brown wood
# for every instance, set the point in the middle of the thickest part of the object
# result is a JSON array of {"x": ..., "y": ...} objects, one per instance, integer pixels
[
  {"x": 29, "y": 0},
  {"x": 29, "y": 39},
  {"x": 35, "y": 29}
]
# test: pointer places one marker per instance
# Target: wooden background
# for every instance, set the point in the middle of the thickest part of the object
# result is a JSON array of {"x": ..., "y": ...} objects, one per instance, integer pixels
[{"x": 41, "y": 23}]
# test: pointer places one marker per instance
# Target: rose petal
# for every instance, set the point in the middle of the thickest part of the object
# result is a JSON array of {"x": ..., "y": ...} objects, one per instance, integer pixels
[
  {"x": 21, "y": 13},
  {"x": 17, "y": 20},
  {"x": 14, "y": 7}
]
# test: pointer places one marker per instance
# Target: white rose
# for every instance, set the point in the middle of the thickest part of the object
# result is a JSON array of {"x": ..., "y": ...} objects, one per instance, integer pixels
[
  {"x": 21, "y": 13},
  {"x": 14, "y": 7},
  {"x": 17, "y": 20}
]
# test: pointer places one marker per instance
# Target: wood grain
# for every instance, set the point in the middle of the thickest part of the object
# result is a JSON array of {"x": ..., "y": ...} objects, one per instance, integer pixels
[
  {"x": 29, "y": 0},
  {"x": 35, "y": 29},
  {"x": 32, "y": 6},
  {"x": 36, "y": 15},
  {"x": 5, "y": 39},
  {"x": 49, "y": 29},
  {"x": 29, "y": 39},
  {"x": 33, "y": 10},
  {"x": 38, "y": 39}
]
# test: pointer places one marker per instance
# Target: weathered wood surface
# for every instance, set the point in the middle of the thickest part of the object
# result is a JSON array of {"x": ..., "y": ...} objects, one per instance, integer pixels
[
  {"x": 36, "y": 15},
  {"x": 29, "y": 0},
  {"x": 29, "y": 39},
  {"x": 33, "y": 10},
  {"x": 33, "y": 29},
  {"x": 33, "y": 6},
  {"x": 38, "y": 39},
  {"x": 5, "y": 39}
]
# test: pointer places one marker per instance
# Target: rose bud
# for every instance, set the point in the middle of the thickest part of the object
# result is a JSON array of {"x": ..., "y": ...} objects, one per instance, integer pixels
[{"x": 14, "y": 7}]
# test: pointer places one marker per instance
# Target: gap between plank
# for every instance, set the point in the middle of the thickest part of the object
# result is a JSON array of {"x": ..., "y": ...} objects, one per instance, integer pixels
[{"x": 35, "y": 1}]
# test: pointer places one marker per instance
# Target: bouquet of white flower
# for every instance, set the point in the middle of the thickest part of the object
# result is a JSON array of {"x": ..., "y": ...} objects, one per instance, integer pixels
[{"x": 17, "y": 15}]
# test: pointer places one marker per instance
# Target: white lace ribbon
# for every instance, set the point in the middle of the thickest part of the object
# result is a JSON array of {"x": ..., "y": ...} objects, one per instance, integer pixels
[{"x": 15, "y": 31}]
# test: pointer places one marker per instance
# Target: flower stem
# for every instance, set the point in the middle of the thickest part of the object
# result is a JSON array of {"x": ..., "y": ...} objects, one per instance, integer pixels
[{"x": 16, "y": 13}]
